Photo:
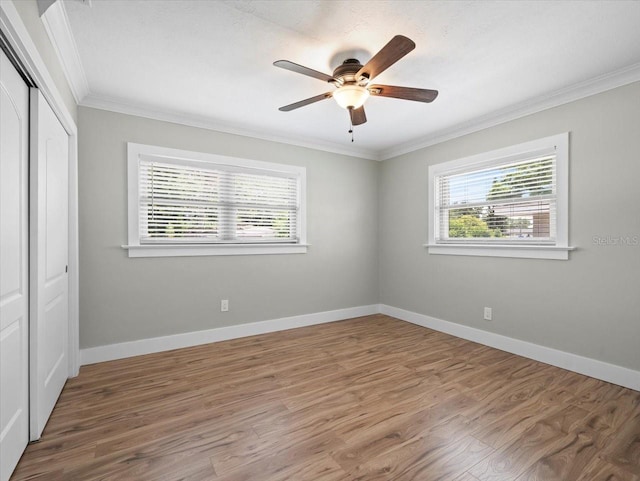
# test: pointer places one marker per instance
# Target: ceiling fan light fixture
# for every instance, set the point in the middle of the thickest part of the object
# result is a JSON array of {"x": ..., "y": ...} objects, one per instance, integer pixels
[{"x": 351, "y": 96}]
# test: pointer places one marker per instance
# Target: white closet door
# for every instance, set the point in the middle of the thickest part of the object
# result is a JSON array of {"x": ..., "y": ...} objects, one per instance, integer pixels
[
  {"x": 14, "y": 267},
  {"x": 49, "y": 258}
]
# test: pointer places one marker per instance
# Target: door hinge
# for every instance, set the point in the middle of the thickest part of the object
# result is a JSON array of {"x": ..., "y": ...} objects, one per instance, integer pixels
[{"x": 66, "y": 268}]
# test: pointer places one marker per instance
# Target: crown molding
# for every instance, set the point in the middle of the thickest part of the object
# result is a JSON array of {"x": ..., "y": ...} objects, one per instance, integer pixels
[
  {"x": 43, "y": 5},
  {"x": 28, "y": 55},
  {"x": 559, "y": 97},
  {"x": 56, "y": 24},
  {"x": 116, "y": 105},
  {"x": 602, "y": 83}
]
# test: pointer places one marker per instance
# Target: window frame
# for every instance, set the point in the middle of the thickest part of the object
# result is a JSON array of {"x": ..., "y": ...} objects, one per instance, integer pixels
[
  {"x": 557, "y": 144},
  {"x": 136, "y": 248}
]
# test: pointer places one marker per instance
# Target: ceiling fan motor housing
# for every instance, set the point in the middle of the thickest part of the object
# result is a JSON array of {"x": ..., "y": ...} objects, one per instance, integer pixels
[{"x": 346, "y": 73}]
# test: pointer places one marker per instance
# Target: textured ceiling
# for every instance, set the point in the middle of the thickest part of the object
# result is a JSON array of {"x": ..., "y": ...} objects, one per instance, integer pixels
[{"x": 212, "y": 60}]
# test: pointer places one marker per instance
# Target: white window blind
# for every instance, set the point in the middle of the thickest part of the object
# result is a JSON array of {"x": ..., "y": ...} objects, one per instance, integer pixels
[
  {"x": 507, "y": 202},
  {"x": 215, "y": 203}
]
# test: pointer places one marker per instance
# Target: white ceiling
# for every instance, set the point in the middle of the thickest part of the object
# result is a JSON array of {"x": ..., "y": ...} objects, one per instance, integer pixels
[{"x": 209, "y": 62}]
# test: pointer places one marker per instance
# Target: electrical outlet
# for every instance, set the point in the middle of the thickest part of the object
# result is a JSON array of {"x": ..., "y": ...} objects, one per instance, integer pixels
[
  {"x": 488, "y": 313},
  {"x": 224, "y": 305}
]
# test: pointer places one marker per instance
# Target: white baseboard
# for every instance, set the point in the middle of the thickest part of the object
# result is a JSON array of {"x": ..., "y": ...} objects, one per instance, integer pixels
[
  {"x": 572, "y": 362},
  {"x": 166, "y": 343}
]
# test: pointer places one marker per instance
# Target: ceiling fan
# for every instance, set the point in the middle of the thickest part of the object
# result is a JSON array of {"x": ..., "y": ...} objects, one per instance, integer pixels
[{"x": 351, "y": 80}]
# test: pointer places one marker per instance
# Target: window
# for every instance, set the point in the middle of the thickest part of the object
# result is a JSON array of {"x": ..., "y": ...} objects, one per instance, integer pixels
[
  {"x": 510, "y": 202},
  {"x": 190, "y": 203}
]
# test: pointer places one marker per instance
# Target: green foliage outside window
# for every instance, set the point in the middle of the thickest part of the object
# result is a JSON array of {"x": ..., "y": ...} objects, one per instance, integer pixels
[{"x": 471, "y": 226}]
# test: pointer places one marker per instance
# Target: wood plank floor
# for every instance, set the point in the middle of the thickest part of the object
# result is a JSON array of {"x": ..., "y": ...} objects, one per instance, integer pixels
[{"x": 371, "y": 398}]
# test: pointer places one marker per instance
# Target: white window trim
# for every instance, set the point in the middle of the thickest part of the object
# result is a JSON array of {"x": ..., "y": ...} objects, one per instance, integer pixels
[
  {"x": 136, "y": 249},
  {"x": 560, "y": 250}
]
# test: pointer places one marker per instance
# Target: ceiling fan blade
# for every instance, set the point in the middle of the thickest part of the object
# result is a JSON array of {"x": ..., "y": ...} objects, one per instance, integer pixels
[
  {"x": 397, "y": 48},
  {"x": 308, "y": 101},
  {"x": 358, "y": 117},
  {"x": 406, "y": 93},
  {"x": 294, "y": 67}
]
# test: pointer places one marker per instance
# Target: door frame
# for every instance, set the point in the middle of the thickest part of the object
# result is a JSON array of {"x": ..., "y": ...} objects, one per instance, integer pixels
[{"x": 27, "y": 53}]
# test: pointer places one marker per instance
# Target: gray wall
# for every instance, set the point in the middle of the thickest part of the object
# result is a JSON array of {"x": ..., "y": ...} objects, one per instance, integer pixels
[
  {"x": 589, "y": 305},
  {"x": 28, "y": 11},
  {"x": 367, "y": 224},
  {"x": 124, "y": 299}
]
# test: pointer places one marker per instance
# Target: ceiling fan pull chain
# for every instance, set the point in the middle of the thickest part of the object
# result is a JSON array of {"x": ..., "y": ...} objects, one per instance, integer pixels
[{"x": 351, "y": 122}]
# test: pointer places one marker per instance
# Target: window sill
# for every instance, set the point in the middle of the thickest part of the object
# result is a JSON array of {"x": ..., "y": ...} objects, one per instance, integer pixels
[
  {"x": 484, "y": 250},
  {"x": 171, "y": 250}
]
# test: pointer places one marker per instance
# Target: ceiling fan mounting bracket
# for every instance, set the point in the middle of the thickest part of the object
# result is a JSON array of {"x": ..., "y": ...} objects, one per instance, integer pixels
[{"x": 346, "y": 72}]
